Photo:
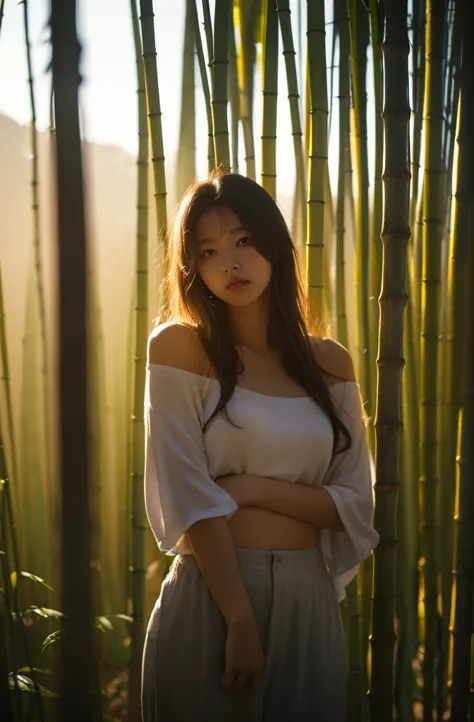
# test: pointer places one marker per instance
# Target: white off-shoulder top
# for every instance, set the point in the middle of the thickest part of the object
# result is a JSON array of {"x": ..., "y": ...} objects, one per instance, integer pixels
[{"x": 282, "y": 438}]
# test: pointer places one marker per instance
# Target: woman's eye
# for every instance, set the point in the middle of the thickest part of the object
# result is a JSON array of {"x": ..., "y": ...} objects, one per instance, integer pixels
[
  {"x": 208, "y": 250},
  {"x": 246, "y": 238}
]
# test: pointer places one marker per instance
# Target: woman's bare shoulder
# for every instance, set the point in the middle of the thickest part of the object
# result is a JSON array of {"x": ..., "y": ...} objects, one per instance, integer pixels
[
  {"x": 333, "y": 359},
  {"x": 176, "y": 344}
]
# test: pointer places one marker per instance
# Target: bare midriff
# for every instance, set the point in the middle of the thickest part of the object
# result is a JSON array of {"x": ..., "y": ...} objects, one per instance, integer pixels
[{"x": 254, "y": 528}]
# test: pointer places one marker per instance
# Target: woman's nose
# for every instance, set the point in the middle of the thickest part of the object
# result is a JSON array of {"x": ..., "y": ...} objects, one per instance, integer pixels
[{"x": 230, "y": 264}]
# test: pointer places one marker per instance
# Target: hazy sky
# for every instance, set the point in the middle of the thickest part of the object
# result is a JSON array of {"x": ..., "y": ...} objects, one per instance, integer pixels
[{"x": 108, "y": 65}]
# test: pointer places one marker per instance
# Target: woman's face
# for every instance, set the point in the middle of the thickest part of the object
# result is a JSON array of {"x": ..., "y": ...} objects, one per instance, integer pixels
[{"x": 225, "y": 252}]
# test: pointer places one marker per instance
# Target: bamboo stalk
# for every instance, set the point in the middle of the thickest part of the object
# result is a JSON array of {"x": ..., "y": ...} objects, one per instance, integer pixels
[
  {"x": 431, "y": 239},
  {"x": 416, "y": 205},
  {"x": 393, "y": 298},
  {"x": 359, "y": 33},
  {"x": 51, "y": 490},
  {"x": 462, "y": 273},
  {"x": 246, "y": 16},
  {"x": 357, "y": 681},
  {"x": 331, "y": 71},
  {"x": 375, "y": 254},
  {"x": 284, "y": 19},
  {"x": 318, "y": 157},
  {"x": 341, "y": 19},
  {"x": 186, "y": 157},
  {"x": 141, "y": 333},
  {"x": 9, "y": 479},
  {"x": 208, "y": 33},
  {"x": 2, "y": 5},
  {"x": 79, "y": 698},
  {"x": 8, "y": 599},
  {"x": 450, "y": 385},
  {"x": 219, "y": 85},
  {"x": 234, "y": 97},
  {"x": 154, "y": 125},
  {"x": 407, "y": 555},
  {"x": 270, "y": 97},
  {"x": 462, "y": 601},
  {"x": 206, "y": 91}
]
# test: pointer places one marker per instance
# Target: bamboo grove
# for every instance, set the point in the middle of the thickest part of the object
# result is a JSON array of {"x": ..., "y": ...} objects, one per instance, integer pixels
[{"x": 385, "y": 241}]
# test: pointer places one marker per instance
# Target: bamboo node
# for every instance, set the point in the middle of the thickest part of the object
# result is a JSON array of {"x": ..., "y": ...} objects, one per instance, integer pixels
[
  {"x": 404, "y": 298},
  {"x": 398, "y": 361}
]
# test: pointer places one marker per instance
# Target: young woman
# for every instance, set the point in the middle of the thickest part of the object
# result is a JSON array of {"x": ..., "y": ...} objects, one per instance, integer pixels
[{"x": 257, "y": 476}]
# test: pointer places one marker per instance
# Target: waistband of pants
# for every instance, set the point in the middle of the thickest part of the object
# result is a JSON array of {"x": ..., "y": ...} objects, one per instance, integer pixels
[{"x": 265, "y": 558}]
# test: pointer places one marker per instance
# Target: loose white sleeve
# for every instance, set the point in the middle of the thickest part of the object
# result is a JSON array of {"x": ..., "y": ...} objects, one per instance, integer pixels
[
  {"x": 349, "y": 480},
  {"x": 178, "y": 488}
]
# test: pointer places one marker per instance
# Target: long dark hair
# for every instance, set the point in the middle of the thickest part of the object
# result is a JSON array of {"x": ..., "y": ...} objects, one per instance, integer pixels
[{"x": 189, "y": 301}]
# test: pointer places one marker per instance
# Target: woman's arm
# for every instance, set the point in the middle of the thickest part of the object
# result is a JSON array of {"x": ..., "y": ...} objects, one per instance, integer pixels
[
  {"x": 214, "y": 550},
  {"x": 311, "y": 504},
  {"x": 181, "y": 477}
]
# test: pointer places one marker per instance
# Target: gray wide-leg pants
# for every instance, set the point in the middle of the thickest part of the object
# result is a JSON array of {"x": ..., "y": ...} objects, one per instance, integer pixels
[{"x": 300, "y": 626}]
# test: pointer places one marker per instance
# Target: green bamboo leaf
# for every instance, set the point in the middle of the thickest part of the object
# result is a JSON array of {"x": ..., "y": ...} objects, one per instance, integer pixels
[
  {"x": 125, "y": 617},
  {"x": 44, "y": 612},
  {"x": 32, "y": 669},
  {"x": 26, "y": 684},
  {"x": 13, "y": 580},
  {"x": 52, "y": 638},
  {"x": 102, "y": 623},
  {"x": 33, "y": 578}
]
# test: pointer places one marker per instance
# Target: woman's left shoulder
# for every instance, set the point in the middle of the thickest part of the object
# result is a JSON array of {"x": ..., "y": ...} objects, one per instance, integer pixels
[{"x": 333, "y": 358}]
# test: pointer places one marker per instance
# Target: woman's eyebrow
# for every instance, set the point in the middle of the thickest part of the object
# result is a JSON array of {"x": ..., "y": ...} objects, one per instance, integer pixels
[{"x": 237, "y": 229}]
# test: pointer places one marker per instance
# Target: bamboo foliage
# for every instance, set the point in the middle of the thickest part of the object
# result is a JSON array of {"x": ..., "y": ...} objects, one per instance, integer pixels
[{"x": 395, "y": 235}]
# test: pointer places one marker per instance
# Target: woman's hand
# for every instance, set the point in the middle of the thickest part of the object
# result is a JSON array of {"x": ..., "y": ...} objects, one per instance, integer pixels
[
  {"x": 241, "y": 487},
  {"x": 244, "y": 657}
]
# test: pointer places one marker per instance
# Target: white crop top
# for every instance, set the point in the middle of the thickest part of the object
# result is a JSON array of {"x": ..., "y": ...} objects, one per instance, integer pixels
[{"x": 282, "y": 438}]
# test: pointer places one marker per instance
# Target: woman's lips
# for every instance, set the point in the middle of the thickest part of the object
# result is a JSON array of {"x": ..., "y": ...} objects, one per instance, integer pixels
[{"x": 237, "y": 286}]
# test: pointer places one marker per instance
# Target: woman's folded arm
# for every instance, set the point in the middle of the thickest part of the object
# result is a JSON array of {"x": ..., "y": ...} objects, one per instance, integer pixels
[{"x": 180, "y": 495}]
